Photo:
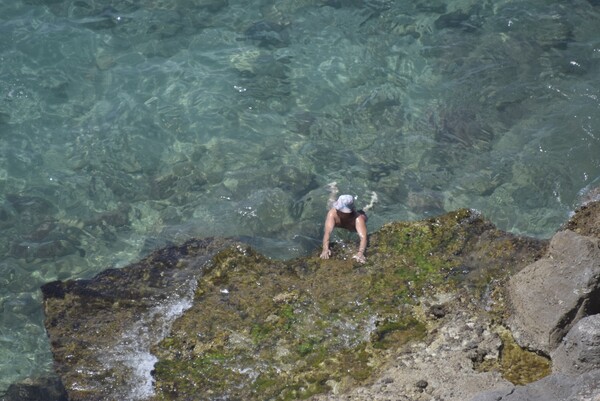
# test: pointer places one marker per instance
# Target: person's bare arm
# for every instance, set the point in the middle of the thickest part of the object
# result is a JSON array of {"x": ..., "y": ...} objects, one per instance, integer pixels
[
  {"x": 329, "y": 226},
  {"x": 361, "y": 230}
]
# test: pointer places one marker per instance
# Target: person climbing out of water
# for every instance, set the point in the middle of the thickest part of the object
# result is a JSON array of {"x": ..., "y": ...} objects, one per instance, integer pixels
[{"x": 343, "y": 214}]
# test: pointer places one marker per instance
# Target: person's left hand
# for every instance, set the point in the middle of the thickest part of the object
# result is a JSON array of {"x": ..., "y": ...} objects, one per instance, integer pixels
[{"x": 359, "y": 257}]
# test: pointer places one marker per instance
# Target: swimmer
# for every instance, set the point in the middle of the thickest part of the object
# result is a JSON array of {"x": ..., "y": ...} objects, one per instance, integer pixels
[{"x": 343, "y": 214}]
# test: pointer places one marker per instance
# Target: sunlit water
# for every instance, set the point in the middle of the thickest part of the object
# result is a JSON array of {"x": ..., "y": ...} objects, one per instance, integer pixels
[{"x": 126, "y": 124}]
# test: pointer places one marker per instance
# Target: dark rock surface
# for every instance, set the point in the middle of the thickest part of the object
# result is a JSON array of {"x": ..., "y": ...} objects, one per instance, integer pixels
[
  {"x": 39, "y": 389},
  {"x": 587, "y": 219}
]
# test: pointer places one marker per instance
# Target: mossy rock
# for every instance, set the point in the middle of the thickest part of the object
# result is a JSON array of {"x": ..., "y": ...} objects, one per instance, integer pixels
[
  {"x": 279, "y": 330},
  {"x": 516, "y": 364}
]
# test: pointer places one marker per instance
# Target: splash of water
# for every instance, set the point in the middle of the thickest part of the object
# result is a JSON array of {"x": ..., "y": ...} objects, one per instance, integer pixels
[{"x": 132, "y": 354}]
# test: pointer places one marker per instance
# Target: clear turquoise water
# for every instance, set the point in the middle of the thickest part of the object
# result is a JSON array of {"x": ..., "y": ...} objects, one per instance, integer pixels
[{"x": 125, "y": 125}]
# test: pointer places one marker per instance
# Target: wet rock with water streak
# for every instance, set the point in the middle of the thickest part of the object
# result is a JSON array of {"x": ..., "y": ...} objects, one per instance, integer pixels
[{"x": 101, "y": 329}]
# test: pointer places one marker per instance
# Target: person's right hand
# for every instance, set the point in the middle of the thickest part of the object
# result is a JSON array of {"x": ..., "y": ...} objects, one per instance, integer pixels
[
  {"x": 359, "y": 257},
  {"x": 325, "y": 254}
]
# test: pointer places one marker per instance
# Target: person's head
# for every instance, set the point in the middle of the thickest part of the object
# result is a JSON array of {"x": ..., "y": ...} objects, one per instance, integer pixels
[{"x": 344, "y": 204}]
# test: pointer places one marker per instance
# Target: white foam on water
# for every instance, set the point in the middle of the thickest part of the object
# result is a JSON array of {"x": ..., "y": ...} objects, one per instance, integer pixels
[{"x": 132, "y": 354}]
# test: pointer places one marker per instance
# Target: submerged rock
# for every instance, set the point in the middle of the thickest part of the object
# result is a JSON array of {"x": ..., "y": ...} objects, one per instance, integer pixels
[
  {"x": 39, "y": 389},
  {"x": 268, "y": 33}
]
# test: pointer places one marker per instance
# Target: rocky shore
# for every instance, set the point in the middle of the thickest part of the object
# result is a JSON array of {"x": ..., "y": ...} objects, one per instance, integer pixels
[
  {"x": 550, "y": 308},
  {"x": 448, "y": 308}
]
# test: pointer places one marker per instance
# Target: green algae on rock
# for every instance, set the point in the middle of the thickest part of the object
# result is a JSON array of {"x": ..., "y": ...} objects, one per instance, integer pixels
[
  {"x": 224, "y": 322},
  {"x": 521, "y": 366},
  {"x": 265, "y": 329},
  {"x": 516, "y": 364},
  {"x": 97, "y": 327}
]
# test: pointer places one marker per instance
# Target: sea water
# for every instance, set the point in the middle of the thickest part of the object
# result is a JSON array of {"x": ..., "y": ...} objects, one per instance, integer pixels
[{"x": 126, "y": 125}]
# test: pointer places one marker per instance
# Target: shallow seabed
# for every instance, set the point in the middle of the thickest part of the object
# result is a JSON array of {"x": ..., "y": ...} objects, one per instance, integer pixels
[{"x": 125, "y": 125}]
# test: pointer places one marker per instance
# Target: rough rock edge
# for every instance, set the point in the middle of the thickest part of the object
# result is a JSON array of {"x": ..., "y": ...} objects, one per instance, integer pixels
[{"x": 550, "y": 296}]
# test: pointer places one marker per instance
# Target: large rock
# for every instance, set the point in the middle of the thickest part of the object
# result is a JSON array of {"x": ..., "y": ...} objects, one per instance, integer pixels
[
  {"x": 554, "y": 310},
  {"x": 258, "y": 328},
  {"x": 38, "y": 389},
  {"x": 265, "y": 329},
  {"x": 576, "y": 366},
  {"x": 549, "y": 296},
  {"x": 579, "y": 352}
]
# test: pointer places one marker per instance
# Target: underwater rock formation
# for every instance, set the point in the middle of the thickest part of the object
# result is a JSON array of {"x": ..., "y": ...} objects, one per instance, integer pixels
[
  {"x": 39, "y": 389},
  {"x": 424, "y": 318}
]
